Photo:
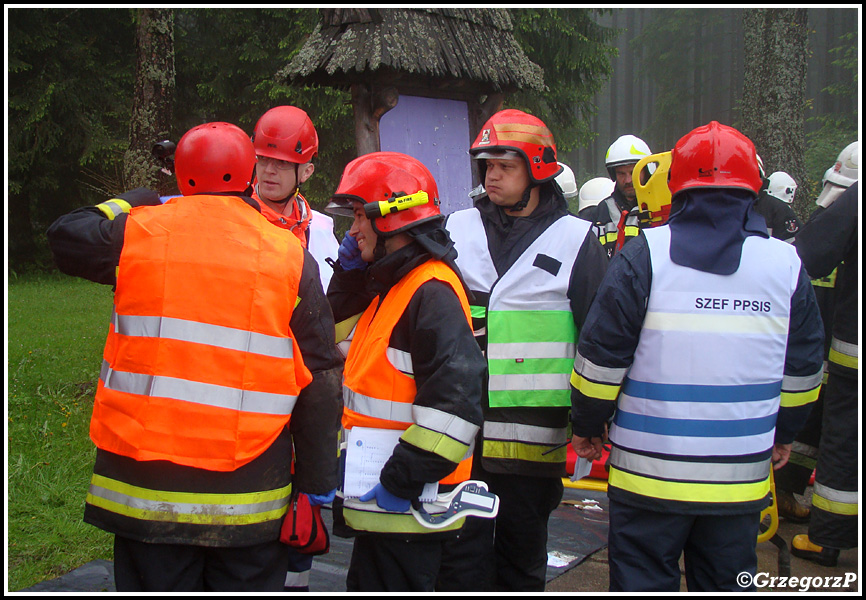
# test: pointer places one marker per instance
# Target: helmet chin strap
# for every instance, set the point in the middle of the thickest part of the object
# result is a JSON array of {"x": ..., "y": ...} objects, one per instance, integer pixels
[{"x": 522, "y": 203}]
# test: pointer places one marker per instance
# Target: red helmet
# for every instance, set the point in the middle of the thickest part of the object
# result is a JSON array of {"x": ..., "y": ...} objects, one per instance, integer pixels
[
  {"x": 214, "y": 157},
  {"x": 397, "y": 190},
  {"x": 714, "y": 155},
  {"x": 515, "y": 131},
  {"x": 286, "y": 133}
]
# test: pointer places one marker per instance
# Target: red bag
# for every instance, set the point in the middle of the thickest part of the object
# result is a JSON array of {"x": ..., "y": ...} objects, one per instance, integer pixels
[{"x": 304, "y": 529}]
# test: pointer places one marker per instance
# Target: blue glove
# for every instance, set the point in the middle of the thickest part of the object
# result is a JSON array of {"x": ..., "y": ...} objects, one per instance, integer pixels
[
  {"x": 386, "y": 500},
  {"x": 350, "y": 255},
  {"x": 319, "y": 499}
]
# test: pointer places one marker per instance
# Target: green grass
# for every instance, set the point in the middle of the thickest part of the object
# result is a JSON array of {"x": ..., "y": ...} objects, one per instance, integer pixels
[{"x": 56, "y": 332}]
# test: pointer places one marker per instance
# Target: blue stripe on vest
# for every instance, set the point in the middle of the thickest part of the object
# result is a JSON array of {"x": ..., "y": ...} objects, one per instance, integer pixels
[
  {"x": 694, "y": 428},
  {"x": 702, "y": 393}
]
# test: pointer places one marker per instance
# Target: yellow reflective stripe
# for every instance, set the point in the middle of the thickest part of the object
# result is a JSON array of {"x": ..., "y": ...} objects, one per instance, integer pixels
[
  {"x": 344, "y": 328},
  {"x": 520, "y": 451},
  {"x": 367, "y": 516},
  {"x": 688, "y": 492},
  {"x": 435, "y": 442},
  {"x": 114, "y": 207},
  {"x": 202, "y": 509},
  {"x": 799, "y": 398},
  {"x": 297, "y": 301},
  {"x": 830, "y": 506},
  {"x": 631, "y": 231},
  {"x": 842, "y": 359},
  {"x": 599, "y": 391}
]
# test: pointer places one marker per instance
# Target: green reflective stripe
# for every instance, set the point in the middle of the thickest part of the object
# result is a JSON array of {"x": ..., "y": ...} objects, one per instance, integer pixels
[
  {"x": 435, "y": 442},
  {"x": 530, "y": 398},
  {"x": 631, "y": 231},
  {"x": 686, "y": 491},
  {"x": 521, "y": 451},
  {"x": 834, "y": 501},
  {"x": 478, "y": 312},
  {"x": 531, "y": 326},
  {"x": 530, "y": 357},
  {"x": 187, "y": 507},
  {"x": 195, "y": 332},
  {"x": 590, "y": 389},
  {"x": 443, "y": 422},
  {"x": 366, "y": 516},
  {"x": 114, "y": 208},
  {"x": 804, "y": 449},
  {"x": 829, "y": 281},
  {"x": 206, "y": 394}
]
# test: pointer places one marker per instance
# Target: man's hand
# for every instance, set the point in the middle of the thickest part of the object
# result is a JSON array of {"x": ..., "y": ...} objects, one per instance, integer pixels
[
  {"x": 588, "y": 448},
  {"x": 781, "y": 453},
  {"x": 349, "y": 254},
  {"x": 386, "y": 500}
]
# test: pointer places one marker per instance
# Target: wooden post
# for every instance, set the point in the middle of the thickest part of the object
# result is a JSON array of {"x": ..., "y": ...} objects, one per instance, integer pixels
[{"x": 369, "y": 105}]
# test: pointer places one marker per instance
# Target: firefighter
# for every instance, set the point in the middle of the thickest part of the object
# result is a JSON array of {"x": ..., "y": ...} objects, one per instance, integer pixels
[
  {"x": 774, "y": 204},
  {"x": 829, "y": 242},
  {"x": 532, "y": 268},
  {"x": 413, "y": 366},
  {"x": 591, "y": 194},
  {"x": 220, "y": 359},
  {"x": 710, "y": 372},
  {"x": 795, "y": 476},
  {"x": 286, "y": 145},
  {"x": 618, "y": 216}
]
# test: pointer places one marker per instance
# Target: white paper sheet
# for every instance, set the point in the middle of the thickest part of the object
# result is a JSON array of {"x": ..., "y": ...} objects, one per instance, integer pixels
[{"x": 367, "y": 451}]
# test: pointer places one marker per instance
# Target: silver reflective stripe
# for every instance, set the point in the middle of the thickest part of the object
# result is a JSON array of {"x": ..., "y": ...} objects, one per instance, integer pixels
[
  {"x": 589, "y": 370},
  {"x": 203, "y": 333},
  {"x": 442, "y": 422},
  {"x": 530, "y": 381},
  {"x": 296, "y": 579},
  {"x": 494, "y": 430},
  {"x": 400, "y": 360},
  {"x": 802, "y": 384},
  {"x": 173, "y": 510},
  {"x": 845, "y": 348},
  {"x": 804, "y": 449},
  {"x": 195, "y": 391},
  {"x": 689, "y": 471},
  {"x": 531, "y": 350},
  {"x": 839, "y": 496},
  {"x": 400, "y": 412}
]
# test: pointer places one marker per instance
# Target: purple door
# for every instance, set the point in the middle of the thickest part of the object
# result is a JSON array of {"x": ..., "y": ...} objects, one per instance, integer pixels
[{"x": 436, "y": 132}]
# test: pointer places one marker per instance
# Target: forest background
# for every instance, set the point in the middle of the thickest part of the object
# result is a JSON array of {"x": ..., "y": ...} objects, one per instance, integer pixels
[{"x": 73, "y": 73}]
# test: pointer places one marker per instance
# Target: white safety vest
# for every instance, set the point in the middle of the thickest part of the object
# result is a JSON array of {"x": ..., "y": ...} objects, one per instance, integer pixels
[{"x": 697, "y": 412}]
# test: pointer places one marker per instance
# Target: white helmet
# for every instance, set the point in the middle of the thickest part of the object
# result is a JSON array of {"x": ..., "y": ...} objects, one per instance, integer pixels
[
  {"x": 626, "y": 150},
  {"x": 594, "y": 191},
  {"x": 782, "y": 186},
  {"x": 841, "y": 175},
  {"x": 566, "y": 182},
  {"x": 846, "y": 170}
]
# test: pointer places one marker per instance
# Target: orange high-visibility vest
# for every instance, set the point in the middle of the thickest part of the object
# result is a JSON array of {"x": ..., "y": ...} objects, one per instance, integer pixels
[
  {"x": 376, "y": 393},
  {"x": 200, "y": 367}
]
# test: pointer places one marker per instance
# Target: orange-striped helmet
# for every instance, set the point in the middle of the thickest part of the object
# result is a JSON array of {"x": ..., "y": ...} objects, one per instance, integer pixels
[{"x": 515, "y": 131}]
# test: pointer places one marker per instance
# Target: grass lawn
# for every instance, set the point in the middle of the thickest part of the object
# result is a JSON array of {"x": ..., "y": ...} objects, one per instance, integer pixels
[{"x": 56, "y": 332}]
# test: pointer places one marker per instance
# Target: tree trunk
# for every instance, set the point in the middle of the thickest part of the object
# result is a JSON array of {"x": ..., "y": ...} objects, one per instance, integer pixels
[
  {"x": 152, "y": 101},
  {"x": 774, "y": 87}
]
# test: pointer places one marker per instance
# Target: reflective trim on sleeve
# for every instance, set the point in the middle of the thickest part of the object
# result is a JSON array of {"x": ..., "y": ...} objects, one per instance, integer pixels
[
  {"x": 599, "y": 391},
  {"x": 588, "y": 369},
  {"x": 114, "y": 207},
  {"x": 435, "y": 442},
  {"x": 443, "y": 422}
]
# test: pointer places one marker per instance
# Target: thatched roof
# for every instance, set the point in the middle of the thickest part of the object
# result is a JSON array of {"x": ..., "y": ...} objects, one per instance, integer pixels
[{"x": 438, "y": 48}]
